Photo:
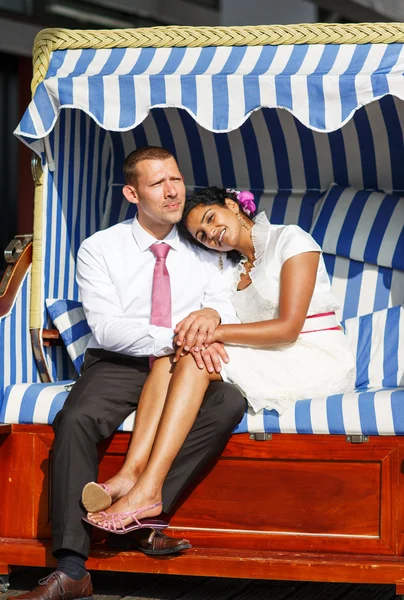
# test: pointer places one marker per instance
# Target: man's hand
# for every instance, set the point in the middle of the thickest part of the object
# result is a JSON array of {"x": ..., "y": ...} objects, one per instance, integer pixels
[
  {"x": 196, "y": 330},
  {"x": 209, "y": 358}
]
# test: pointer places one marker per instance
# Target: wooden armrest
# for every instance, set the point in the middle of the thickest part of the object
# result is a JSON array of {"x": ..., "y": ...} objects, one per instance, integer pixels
[
  {"x": 18, "y": 257},
  {"x": 5, "y": 428},
  {"x": 51, "y": 337}
]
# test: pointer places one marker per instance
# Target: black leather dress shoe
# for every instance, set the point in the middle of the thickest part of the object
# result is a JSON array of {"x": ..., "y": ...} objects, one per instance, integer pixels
[{"x": 148, "y": 541}]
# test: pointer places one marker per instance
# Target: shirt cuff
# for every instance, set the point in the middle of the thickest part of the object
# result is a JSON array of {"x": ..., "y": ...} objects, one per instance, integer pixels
[{"x": 163, "y": 341}]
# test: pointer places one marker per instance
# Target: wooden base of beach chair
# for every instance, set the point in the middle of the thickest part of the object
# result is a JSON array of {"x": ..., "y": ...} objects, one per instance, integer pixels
[
  {"x": 296, "y": 507},
  {"x": 224, "y": 562}
]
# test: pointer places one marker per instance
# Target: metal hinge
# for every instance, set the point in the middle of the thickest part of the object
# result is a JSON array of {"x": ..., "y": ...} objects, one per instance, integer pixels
[
  {"x": 357, "y": 439},
  {"x": 11, "y": 254},
  {"x": 36, "y": 168},
  {"x": 261, "y": 437},
  {"x": 15, "y": 248}
]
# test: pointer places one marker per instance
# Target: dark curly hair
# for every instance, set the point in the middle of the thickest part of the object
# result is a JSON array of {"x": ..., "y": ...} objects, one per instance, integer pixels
[{"x": 208, "y": 197}]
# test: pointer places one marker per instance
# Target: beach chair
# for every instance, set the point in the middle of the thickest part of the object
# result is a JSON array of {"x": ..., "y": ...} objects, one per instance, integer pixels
[{"x": 310, "y": 118}]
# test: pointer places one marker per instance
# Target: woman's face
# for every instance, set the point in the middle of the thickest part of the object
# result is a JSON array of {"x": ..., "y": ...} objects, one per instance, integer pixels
[{"x": 216, "y": 227}]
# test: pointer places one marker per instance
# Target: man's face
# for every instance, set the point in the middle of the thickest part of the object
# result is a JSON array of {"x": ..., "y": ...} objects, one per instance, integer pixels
[{"x": 158, "y": 191}]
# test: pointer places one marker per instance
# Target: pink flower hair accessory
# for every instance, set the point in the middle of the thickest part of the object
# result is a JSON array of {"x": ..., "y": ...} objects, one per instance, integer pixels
[{"x": 246, "y": 200}]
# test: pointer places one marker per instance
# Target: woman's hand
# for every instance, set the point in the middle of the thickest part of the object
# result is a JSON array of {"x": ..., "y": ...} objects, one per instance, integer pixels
[
  {"x": 217, "y": 349},
  {"x": 210, "y": 358},
  {"x": 196, "y": 330}
]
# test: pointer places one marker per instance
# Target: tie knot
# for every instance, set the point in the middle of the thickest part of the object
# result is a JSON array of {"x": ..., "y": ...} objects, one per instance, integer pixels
[{"x": 160, "y": 250}]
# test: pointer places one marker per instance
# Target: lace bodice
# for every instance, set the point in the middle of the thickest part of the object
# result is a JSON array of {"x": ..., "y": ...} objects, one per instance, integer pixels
[{"x": 273, "y": 245}]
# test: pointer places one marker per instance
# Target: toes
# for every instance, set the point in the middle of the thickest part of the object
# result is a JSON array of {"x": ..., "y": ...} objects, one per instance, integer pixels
[{"x": 94, "y": 518}]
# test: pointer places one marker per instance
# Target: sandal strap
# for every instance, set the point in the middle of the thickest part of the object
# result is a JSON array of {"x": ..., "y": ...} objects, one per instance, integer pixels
[
  {"x": 105, "y": 488},
  {"x": 138, "y": 511},
  {"x": 112, "y": 519}
]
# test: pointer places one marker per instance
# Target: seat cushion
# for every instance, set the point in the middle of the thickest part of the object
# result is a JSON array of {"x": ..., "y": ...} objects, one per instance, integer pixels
[
  {"x": 369, "y": 412},
  {"x": 38, "y": 403}
]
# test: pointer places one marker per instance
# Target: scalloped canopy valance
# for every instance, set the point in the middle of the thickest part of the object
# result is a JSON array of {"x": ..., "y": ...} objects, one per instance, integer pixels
[{"x": 321, "y": 84}]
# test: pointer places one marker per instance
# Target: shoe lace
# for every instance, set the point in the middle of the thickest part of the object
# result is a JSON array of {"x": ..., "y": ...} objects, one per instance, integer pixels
[{"x": 48, "y": 579}]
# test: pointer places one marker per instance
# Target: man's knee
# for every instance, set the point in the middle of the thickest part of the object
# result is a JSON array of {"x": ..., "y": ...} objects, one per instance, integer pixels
[
  {"x": 75, "y": 419},
  {"x": 227, "y": 403}
]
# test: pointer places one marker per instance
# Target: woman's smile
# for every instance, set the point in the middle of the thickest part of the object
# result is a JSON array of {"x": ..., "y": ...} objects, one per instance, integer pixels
[
  {"x": 217, "y": 235},
  {"x": 221, "y": 236}
]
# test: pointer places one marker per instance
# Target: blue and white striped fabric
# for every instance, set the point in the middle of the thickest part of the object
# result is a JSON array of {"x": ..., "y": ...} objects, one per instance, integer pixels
[
  {"x": 363, "y": 225},
  {"x": 378, "y": 342},
  {"x": 38, "y": 403},
  {"x": 17, "y": 363},
  {"x": 370, "y": 412},
  {"x": 322, "y": 85},
  {"x": 69, "y": 319},
  {"x": 273, "y": 151},
  {"x": 289, "y": 208},
  {"x": 361, "y": 288}
]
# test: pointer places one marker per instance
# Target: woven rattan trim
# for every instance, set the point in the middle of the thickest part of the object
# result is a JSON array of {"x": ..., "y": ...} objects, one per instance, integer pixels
[
  {"x": 36, "y": 306},
  {"x": 49, "y": 40}
]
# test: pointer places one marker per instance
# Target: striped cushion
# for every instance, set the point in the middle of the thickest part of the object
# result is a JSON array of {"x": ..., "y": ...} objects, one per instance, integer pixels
[
  {"x": 33, "y": 402},
  {"x": 361, "y": 288},
  {"x": 363, "y": 225},
  {"x": 371, "y": 412},
  {"x": 289, "y": 208},
  {"x": 69, "y": 318},
  {"x": 38, "y": 403},
  {"x": 378, "y": 342}
]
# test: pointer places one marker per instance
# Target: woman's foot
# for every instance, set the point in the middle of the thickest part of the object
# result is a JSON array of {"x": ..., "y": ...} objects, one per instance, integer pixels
[
  {"x": 120, "y": 484},
  {"x": 132, "y": 502},
  {"x": 96, "y": 497}
]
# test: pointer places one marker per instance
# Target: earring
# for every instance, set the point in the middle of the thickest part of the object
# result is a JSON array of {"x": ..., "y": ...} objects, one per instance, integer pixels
[
  {"x": 221, "y": 262},
  {"x": 243, "y": 223}
]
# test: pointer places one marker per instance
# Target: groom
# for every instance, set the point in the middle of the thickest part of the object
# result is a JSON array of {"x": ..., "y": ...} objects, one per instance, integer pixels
[{"x": 116, "y": 272}]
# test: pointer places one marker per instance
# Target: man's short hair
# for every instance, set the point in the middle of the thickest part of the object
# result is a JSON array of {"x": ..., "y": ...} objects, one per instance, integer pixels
[{"x": 144, "y": 153}]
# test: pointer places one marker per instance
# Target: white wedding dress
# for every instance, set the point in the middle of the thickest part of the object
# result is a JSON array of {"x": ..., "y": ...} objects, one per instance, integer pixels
[{"x": 317, "y": 364}]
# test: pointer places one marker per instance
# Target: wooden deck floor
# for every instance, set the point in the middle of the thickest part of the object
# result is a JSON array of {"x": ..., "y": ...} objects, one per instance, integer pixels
[{"x": 117, "y": 586}]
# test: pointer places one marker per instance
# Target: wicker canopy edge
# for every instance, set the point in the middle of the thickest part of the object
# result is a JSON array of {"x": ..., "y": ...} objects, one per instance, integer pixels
[{"x": 49, "y": 40}]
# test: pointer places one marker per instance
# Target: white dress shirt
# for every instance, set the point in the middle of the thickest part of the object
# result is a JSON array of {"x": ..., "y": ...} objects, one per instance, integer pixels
[{"x": 115, "y": 276}]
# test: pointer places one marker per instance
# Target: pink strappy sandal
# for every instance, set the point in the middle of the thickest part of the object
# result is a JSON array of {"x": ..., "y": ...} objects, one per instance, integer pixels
[
  {"x": 96, "y": 497},
  {"x": 113, "y": 523}
]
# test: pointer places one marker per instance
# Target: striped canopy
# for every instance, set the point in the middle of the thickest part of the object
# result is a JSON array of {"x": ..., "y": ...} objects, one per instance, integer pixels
[{"x": 322, "y": 85}]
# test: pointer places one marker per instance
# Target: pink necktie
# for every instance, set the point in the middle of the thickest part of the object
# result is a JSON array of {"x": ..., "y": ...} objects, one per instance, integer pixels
[{"x": 161, "y": 291}]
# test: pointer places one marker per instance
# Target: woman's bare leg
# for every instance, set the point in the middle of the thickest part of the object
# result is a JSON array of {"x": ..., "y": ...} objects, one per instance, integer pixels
[
  {"x": 148, "y": 414},
  {"x": 185, "y": 395}
]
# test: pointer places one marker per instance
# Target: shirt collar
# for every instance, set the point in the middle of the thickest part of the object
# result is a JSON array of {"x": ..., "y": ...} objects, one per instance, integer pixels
[{"x": 144, "y": 239}]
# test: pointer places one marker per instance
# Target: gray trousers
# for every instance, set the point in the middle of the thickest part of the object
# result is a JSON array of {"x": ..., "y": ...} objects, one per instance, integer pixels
[{"x": 105, "y": 394}]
